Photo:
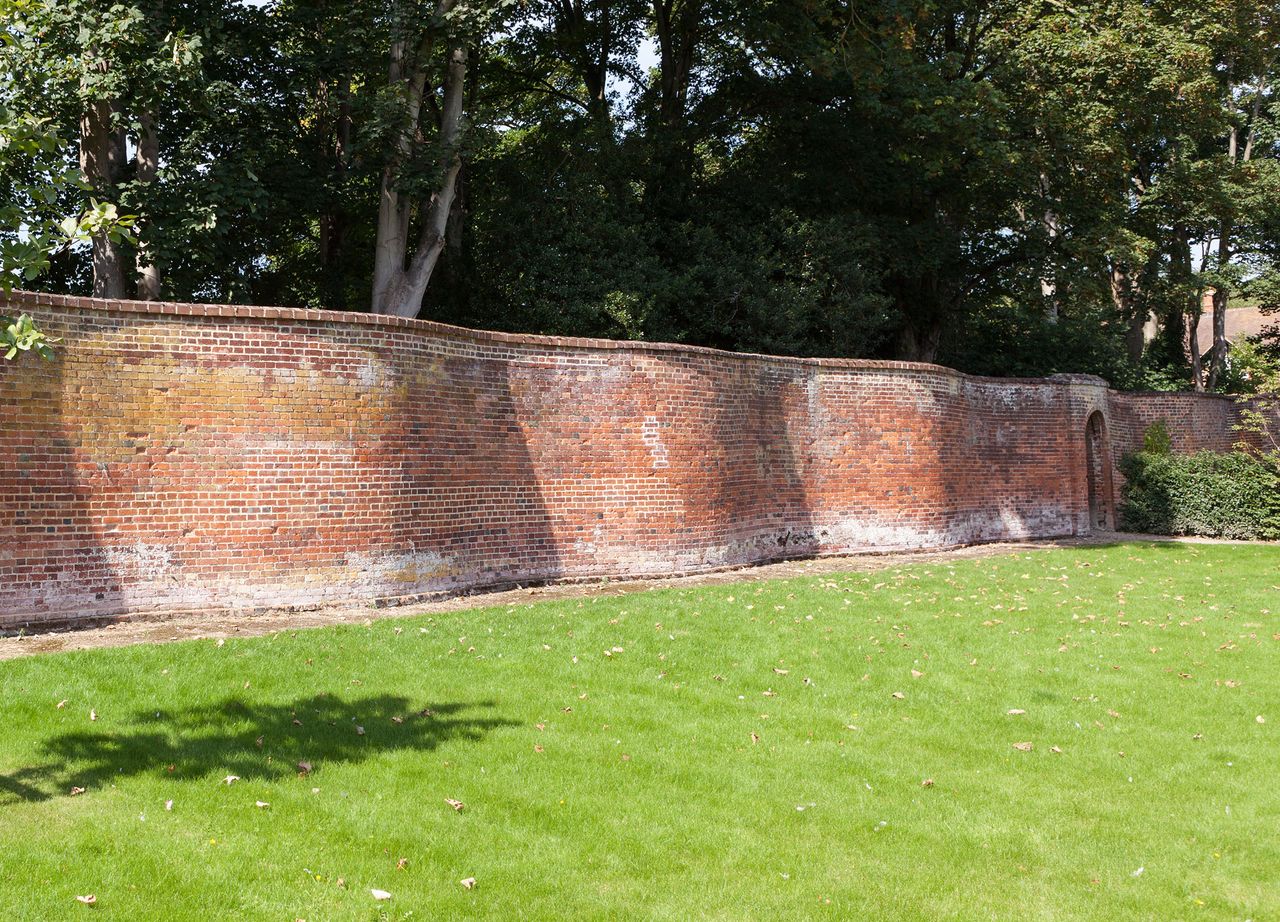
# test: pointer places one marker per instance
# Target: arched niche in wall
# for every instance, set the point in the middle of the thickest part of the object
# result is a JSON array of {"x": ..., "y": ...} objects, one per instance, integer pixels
[{"x": 1102, "y": 515}]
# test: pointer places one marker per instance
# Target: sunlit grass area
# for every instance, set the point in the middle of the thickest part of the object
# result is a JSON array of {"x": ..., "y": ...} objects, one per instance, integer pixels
[{"x": 1073, "y": 734}]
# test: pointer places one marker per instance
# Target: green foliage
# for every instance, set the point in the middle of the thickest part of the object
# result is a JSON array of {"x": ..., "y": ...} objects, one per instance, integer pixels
[
  {"x": 1156, "y": 439},
  {"x": 1013, "y": 338},
  {"x": 22, "y": 335},
  {"x": 1211, "y": 494},
  {"x": 1009, "y": 187},
  {"x": 1251, "y": 368},
  {"x": 35, "y": 181}
]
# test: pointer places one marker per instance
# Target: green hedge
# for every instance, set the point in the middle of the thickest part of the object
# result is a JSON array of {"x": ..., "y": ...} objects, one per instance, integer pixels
[{"x": 1233, "y": 495}]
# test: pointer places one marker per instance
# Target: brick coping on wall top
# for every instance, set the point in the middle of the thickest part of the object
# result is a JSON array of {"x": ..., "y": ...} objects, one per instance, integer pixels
[{"x": 35, "y": 299}]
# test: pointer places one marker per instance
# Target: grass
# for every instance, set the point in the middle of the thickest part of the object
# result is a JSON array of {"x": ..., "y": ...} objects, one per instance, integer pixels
[{"x": 738, "y": 752}]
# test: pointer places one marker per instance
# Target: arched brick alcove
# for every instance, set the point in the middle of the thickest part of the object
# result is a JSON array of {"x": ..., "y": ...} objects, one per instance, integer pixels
[{"x": 1102, "y": 515}]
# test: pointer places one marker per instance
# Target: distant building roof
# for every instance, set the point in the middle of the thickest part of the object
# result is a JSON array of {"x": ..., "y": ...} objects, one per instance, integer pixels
[{"x": 1242, "y": 322}]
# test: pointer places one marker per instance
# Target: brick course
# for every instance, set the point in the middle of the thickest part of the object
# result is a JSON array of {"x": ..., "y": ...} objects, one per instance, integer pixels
[{"x": 185, "y": 456}]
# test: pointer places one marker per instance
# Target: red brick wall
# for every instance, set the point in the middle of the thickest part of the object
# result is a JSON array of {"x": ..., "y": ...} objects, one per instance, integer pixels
[
  {"x": 1195, "y": 421},
  {"x": 181, "y": 456}
]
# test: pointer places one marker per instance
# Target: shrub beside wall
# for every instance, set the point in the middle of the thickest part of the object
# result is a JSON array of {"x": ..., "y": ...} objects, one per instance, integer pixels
[{"x": 1213, "y": 494}]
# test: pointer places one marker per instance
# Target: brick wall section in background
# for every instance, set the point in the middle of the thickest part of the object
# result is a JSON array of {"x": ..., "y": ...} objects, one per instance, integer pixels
[{"x": 180, "y": 456}]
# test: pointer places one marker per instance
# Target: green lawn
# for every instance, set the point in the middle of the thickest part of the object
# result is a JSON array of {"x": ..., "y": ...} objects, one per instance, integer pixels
[{"x": 756, "y": 750}]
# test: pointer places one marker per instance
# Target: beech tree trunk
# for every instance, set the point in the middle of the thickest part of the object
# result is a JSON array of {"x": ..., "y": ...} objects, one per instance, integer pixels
[
  {"x": 102, "y": 153},
  {"x": 1048, "y": 282},
  {"x": 1193, "y": 350},
  {"x": 919, "y": 342},
  {"x": 1123, "y": 296},
  {"x": 401, "y": 274},
  {"x": 148, "y": 167}
]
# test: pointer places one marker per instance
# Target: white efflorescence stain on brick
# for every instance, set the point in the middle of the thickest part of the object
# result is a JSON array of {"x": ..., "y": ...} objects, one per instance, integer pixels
[{"x": 651, "y": 435}]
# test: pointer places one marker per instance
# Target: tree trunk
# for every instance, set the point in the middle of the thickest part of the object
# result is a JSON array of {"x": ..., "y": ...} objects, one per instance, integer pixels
[
  {"x": 1049, "y": 282},
  {"x": 1189, "y": 309},
  {"x": 1221, "y": 294},
  {"x": 919, "y": 341},
  {"x": 399, "y": 288},
  {"x": 101, "y": 154},
  {"x": 1193, "y": 350},
  {"x": 400, "y": 279},
  {"x": 148, "y": 163},
  {"x": 676, "y": 29},
  {"x": 1123, "y": 298}
]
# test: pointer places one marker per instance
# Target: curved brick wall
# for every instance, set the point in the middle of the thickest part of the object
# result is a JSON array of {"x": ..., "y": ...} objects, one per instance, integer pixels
[{"x": 181, "y": 456}]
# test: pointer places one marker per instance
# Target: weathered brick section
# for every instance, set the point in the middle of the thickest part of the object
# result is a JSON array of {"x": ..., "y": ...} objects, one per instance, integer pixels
[{"x": 182, "y": 456}]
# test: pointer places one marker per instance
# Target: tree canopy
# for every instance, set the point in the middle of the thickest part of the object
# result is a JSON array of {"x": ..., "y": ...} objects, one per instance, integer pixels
[{"x": 1009, "y": 186}]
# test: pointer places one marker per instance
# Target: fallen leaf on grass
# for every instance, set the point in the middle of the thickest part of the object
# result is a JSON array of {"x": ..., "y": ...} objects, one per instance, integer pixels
[
  {"x": 359, "y": 731},
  {"x": 88, "y": 899},
  {"x": 1056, "y": 749},
  {"x": 93, "y": 715},
  {"x": 916, "y": 673},
  {"x": 537, "y": 747},
  {"x": 262, "y": 805},
  {"x": 468, "y": 882},
  {"x": 231, "y": 779},
  {"x": 1024, "y": 747},
  {"x": 62, "y": 704},
  {"x": 168, "y": 806},
  {"x": 755, "y": 738},
  {"x": 75, "y": 792},
  {"x": 456, "y": 804},
  {"x": 1260, "y": 719},
  {"x": 304, "y": 768},
  {"x": 898, "y": 695},
  {"x": 402, "y": 864},
  {"x": 1015, "y": 712},
  {"x": 380, "y": 894},
  {"x": 926, "y": 783}
]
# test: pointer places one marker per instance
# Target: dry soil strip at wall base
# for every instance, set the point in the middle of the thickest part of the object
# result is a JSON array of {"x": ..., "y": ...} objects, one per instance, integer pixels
[{"x": 150, "y": 628}]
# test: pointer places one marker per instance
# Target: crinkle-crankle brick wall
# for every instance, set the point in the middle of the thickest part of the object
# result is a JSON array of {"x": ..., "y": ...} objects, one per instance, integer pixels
[{"x": 182, "y": 456}]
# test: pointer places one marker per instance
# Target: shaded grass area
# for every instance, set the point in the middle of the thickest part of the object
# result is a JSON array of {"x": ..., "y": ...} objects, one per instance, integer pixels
[{"x": 755, "y": 750}]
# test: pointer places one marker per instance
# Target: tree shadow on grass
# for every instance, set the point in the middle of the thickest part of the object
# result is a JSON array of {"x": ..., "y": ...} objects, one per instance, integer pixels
[{"x": 252, "y": 741}]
